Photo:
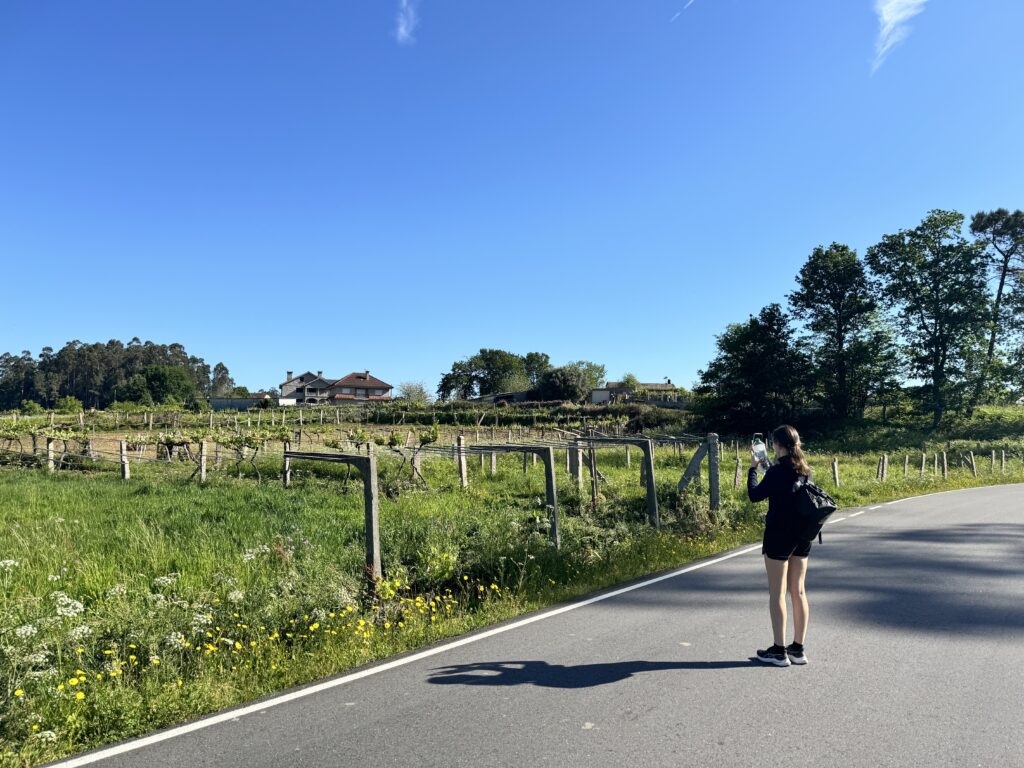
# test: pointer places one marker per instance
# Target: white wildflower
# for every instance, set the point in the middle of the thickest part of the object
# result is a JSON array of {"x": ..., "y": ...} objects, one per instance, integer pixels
[
  {"x": 67, "y": 606},
  {"x": 47, "y": 737},
  {"x": 25, "y": 631},
  {"x": 200, "y": 621},
  {"x": 79, "y": 633},
  {"x": 162, "y": 582},
  {"x": 8, "y": 565},
  {"x": 37, "y": 658},
  {"x": 53, "y": 577},
  {"x": 236, "y": 596},
  {"x": 117, "y": 590},
  {"x": 175, "y": 639},
  {"x": 252, "y": 554},
  {"x": 156, "y": 597}
]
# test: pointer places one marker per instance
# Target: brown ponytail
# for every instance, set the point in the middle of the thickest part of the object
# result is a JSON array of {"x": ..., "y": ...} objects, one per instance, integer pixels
[{"x": 789, "y": 439}]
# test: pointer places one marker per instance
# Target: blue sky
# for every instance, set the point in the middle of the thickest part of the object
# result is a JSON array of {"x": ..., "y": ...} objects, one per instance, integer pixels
[{"x": 391, "y": 185}]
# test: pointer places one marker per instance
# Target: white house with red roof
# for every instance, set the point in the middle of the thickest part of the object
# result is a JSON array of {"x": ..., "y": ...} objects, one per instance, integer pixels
[{"x": 316, "y": 389}]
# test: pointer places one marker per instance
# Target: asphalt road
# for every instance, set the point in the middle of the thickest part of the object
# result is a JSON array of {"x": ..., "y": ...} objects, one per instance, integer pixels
[{"x": 916, "y": 649}]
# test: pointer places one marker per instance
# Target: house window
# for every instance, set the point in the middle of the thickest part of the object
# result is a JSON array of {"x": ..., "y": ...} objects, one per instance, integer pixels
[
  {"x": 360, "y": 393},
  {"x": 346, "y": 390}
]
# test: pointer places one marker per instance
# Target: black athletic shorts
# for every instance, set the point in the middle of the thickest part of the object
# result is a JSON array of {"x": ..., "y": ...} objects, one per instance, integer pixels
[{"x": 781, "y": 544}]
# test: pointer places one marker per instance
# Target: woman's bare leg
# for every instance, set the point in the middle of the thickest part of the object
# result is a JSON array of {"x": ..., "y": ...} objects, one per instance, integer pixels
[
  {"x": 797, "y": 593},
  {"x": 777, "y": 597}
]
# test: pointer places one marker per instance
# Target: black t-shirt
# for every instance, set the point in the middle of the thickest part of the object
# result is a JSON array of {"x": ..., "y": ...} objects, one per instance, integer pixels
[{"x": 777, "y": 487}]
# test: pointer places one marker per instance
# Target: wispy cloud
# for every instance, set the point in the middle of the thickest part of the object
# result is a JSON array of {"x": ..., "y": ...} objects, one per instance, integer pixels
[
  {"x": 675, "y": 16},
  {"x": 893, "y": 27},
  {"x": 406, "y": 22}
]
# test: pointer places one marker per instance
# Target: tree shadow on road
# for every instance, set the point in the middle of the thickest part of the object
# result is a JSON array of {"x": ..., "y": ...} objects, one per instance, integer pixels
[{"x": 545, "y": 675}]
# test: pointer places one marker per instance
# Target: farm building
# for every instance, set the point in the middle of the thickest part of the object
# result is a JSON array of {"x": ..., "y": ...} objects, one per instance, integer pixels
[
  {"x": 316, "y": 389},
  {"x": 239, "y": 403},
  {"x": 617, "y": 391}
]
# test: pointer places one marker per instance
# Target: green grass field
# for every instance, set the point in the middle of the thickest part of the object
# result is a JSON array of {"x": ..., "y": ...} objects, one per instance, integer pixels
[{"x": 129, "y": 606}]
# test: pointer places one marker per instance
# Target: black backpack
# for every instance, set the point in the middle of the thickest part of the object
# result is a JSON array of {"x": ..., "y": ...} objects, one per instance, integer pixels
[{"x": 813, "y": 508}]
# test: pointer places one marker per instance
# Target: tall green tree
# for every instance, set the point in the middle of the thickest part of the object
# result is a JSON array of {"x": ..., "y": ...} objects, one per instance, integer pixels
[
  {"x": 567, "y": 383},
  {"x": 834, "y": 299},
  {"x": 1002, "y": 235},
  {"x": 593, "y": 373},
  {"x": 221, "y": 385},
  {"x": 536, "y": 364},
  {"x": 758, "y": 378},
  {"x": 935, "y": 280}
]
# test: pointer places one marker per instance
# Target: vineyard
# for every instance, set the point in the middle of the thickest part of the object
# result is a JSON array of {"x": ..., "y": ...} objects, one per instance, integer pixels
[{"x": 155, "y": 566}]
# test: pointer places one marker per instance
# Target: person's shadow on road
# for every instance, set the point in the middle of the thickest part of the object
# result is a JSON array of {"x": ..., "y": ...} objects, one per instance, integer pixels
[{"x": 546, "y": 675}]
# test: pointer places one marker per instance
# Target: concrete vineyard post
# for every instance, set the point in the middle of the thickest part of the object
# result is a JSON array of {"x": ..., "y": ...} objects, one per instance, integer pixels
[
  {"x": 835, "y": 471},
  {"x": 714, "y": 456},
  {"x": 629, "y": 457},
  {"x": 49, "y": 454},
  {"x": 906, "y": 465},
  {"x": 126, "y": 471},
  {"x": 202, "y": 461},
  {"x": 494, "y": 463},
  {"x": 652, "y": 489},
  {"x": 945, "y": 466},
  {"x": 737, "y": 478},
  {"x": 551, "y": 494},
  {"x": 373, "y": 559},
  {"x": 460, "y": 457},
  {"x": 286, "y": 474}
]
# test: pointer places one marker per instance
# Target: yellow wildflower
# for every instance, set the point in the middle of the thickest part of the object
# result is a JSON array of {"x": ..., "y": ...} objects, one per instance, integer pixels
[
  {"x": 79, "y": 695},
  {"x": 19, "y": 692}
]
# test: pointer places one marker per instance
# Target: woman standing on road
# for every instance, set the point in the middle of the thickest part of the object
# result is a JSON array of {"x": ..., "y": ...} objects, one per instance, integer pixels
[{"x": 785, "y": 553}]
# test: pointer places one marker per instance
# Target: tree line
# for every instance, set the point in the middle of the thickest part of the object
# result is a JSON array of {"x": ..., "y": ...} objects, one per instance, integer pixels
[
  {"x": 497, "y": 371},
  {"x": 932, "y": 316},
  {"x": 97, "y": 375}
]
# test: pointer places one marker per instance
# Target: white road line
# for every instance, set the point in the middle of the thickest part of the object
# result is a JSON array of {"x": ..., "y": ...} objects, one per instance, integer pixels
[
  {"x": 234, "y": 714},
  {"x": 835, "y": 520},
  {"x": 878, "y": 507},
  {"x": 858, "y": 513}
]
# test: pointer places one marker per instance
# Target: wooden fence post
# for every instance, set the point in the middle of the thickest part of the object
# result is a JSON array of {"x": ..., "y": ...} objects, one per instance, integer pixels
[
  {"x": 593, "y": 476},
  {"x": 974, "y": 467},
  {"x": 714, "y": 455},
  {"x": 737, "y": 479},
  {"x": 993, "y": 461},
  {"x": 216, "y": 455},
  {"x": 885, "y": 467},
  {"x": 629, "y": 457},
  {"x": 945, "y": 466},
  {"x": 924, "y": 458},
  {"x": 906, "y": 465},
  {"x": 126, "y": 471},
  {"x": 460, "y": 457},
  {"x": 835, "y": 470},
  {"x": 1002, "y": 461}
]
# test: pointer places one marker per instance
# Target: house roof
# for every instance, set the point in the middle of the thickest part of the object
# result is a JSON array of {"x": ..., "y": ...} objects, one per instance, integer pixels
[{"x": 361, "y": 379}]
